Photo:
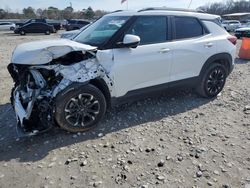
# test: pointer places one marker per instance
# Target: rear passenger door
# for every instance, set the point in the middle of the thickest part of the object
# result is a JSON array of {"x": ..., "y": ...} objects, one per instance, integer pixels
[
  {"x": 29, "y": 28},
  {"x": 193, "y": 45},
  {"x": 39, "y": 27}
]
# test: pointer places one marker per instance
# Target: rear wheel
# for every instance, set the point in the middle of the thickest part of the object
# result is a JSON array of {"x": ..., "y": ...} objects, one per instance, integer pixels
[
  {"x": 22, "y": 32},
  {"x": 47, "y": 32},
  {"x": 212, "y": 81},
  {"x": 79, "y": 108}
]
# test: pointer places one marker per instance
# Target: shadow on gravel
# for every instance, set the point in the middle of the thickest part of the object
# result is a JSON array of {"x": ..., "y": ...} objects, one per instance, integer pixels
[
  {"x": 9, "y": 34},
  {"x": 28, "y": 34},
  {"x": 35, "y": 148},
  {"x": 241, "y": 61}
]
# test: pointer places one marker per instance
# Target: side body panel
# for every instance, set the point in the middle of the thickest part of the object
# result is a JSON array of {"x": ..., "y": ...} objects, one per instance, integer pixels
[
  {"x": 145, "y": 66},
  {"x": 189, "y": 56}
]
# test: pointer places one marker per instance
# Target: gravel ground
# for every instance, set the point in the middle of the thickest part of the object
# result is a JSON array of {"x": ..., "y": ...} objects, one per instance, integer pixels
[{"x": 174, "y": 140}]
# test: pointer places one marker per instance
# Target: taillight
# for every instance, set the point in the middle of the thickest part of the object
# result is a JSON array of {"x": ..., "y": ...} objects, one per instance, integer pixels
[{"x": 232, "y": 39}]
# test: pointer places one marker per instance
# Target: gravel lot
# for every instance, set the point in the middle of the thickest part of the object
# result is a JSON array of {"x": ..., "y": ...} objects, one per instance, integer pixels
[{"x": 174, "y": 140}]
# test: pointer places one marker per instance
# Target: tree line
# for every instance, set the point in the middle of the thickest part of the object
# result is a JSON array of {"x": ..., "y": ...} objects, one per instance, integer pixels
[
  {"x": 52, "y": 13},
  {"x": 219, "y": 8},
  {"x": 228, "y": 7}
]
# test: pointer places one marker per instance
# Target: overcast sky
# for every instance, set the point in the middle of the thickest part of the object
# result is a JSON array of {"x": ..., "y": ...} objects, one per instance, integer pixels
[{"x": 18, "y": 5}]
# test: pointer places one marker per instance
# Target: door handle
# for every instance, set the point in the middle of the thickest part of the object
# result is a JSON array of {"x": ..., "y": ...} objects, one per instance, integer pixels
[
  {"x": 164, "y": 50},
  {"x": 209, "y": 45}
]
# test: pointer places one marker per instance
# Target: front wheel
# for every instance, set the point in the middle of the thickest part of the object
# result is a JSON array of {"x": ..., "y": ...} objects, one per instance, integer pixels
[
  {"x": 79, "y": 107},
  {"x": 212, "y": 81},
  {"x": 22, "y": 33}
]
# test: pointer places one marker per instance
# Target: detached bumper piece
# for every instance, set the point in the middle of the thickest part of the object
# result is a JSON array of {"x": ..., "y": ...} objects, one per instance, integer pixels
[{"x": 28, "y": 118}]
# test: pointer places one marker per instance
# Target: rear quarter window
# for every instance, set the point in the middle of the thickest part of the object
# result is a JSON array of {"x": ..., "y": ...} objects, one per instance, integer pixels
[{"x": 188, "y": 27}]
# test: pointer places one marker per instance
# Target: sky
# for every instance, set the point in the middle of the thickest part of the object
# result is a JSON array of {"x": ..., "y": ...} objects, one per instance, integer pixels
[{"x": 110, "y": 5}]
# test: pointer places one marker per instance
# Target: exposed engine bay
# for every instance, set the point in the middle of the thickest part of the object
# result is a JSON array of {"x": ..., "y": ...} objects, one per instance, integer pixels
[{"x": 51, "y": 70}]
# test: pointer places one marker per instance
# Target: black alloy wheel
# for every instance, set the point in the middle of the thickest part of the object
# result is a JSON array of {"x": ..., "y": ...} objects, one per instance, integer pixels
[
  {"x": 215, "y": 81},
  {"x": 212, "y": 80},
  {"x": 79, "y": 107},
  {"x": 82, "y": 110}
]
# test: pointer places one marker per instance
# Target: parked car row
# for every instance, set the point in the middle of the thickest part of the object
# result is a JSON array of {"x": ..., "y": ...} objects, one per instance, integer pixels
[
  {"x": 46, "y": 26},
  {"x": 239, "y": 29}
]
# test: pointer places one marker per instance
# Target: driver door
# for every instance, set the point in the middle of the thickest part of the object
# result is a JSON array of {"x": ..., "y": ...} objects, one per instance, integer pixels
[{"x": 147, "y": 65}]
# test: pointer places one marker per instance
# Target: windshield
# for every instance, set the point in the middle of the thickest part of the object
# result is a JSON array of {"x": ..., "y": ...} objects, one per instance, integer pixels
[{"x": 101, "y": 31}]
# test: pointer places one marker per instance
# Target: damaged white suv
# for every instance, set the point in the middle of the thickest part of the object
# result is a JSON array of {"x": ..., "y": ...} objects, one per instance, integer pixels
[{"x": 120, "y": 57}]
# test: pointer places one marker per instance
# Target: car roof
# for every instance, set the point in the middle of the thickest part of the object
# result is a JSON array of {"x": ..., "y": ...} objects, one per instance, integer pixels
[
  {"x": 6, "y": 22},
  {"x": 36, "y": 23},
  {"x": 167, "y": 12}
]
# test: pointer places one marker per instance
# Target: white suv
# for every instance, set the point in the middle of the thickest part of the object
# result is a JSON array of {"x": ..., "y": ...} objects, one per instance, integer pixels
[
  {"x": 231, "y": 25},
  {"x": 120, "y": 57}
]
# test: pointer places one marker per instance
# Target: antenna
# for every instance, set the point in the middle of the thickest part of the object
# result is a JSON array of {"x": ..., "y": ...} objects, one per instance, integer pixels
[{"x": 190, "y": 3}]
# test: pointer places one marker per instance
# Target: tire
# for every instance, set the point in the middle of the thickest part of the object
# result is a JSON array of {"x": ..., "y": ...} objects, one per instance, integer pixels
[
  {"x": 22, "y": 33},
  {"x": 70, "y": 113},
  {"x": 212, "y": 81},
  {"x": 47, "y": 32}
]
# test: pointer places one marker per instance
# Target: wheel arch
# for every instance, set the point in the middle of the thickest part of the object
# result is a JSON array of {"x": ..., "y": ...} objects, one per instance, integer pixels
[
  {"x": 221, "y": 58},
  {"x": 97, "y": 82},
  {"x": 103, "y": 87}
]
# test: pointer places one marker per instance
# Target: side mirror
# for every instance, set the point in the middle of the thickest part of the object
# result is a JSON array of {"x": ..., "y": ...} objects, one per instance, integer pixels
[{"x": 130, "y": 41}]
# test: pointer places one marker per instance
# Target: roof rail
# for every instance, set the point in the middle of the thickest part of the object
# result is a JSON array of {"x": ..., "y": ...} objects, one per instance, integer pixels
[
  {"x": 117, "y": 11},
  {"x": 170, "y": 9}
]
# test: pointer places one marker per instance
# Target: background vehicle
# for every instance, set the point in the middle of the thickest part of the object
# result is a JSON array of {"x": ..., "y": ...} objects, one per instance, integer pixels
[
  {"x": 243, "y": 31},
  {"x": 75, "y": 24},
  {"x": 231, "y": 25},
  {"x": 35, "y": 28},
  {"x": 122, "y": 56},
  {"x": 56, "y": 25},
  {"x": 7, "y": 26},
  {"x": 73, "y": 33}
]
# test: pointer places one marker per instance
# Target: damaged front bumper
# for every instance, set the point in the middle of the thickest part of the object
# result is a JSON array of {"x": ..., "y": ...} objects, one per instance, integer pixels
[
  {"x": 36, "y": 89},
  {"x": 43, "y": 69},
  {"x": 22, "y": 113}
]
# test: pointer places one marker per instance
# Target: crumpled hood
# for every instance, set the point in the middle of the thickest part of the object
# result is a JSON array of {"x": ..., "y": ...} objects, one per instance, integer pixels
[
  {"x": 243, "y": 29},
  {"x": 44, "y": 51}
]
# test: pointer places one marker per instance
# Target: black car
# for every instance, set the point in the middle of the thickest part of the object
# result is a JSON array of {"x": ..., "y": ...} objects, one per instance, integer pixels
[
  {"x": 54, "y": 23},
  {"x": 75, "y": 24},
  {"x": 35, "y": 28}
]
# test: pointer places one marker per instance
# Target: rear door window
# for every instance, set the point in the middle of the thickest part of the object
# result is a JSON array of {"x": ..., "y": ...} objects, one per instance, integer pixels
[{"x": 187, "y": 27}]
